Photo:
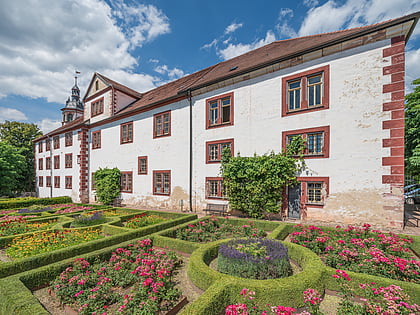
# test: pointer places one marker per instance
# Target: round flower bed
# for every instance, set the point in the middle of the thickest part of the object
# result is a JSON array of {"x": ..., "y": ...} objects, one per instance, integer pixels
[{"x": 255, "y": 258}]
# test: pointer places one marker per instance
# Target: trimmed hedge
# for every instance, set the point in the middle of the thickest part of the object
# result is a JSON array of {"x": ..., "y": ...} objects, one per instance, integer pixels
[{"x": 26, "y": 202}]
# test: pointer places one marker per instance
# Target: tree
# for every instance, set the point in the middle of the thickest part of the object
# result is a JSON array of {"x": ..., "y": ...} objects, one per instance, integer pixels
[
  {"x": 12, "y": 169},
  {"x": 107, "y": 183},
  {"x": 412, "y": 132},
  {"x": 21, "y": 135}
]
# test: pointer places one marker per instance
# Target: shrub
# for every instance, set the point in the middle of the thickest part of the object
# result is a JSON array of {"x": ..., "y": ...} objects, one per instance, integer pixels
[
  {"x": 144, "y": 220},
  {"x": 258, "y": 258},
  {"x": 107, "y": 182}
]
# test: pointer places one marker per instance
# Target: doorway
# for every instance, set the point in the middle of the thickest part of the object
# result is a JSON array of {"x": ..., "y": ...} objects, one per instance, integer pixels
[{"x": 293, "y": 193}]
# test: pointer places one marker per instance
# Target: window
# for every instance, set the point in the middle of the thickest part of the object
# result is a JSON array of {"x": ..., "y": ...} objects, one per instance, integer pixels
[
  {"x": 40, "y": 181},
  {"x": 40, "y": 164},
  {"x": 40, "y": 147},
  {"x": 162, "y": 124},
  {"x": 142, "y": 165},
  {"x": 68, "y": 160},
  {"x": 48, "y": 145},
  {"x": 69, "y": 181},
  {"x": 317, "y": 141},
  {"x": 48, "y": 183},
  {"x": 56, "y": 181},
  {"x": 56, "y": 161},
  {"x": 215, "y": 188},
  {"x": 162, "y": 183},
  {"x": 96, "y": 140},
  {"x": 48, "y": 163},
  {"x": 97, "y": 107},
  {"x": 214, "y": 150},
  {"x": 93, "y": 182},
  {"x": 306, "y": 91},
  {"x": 69, "y": 139},
  {"x": 314, "y": 190},
  {"x": 219, "y": 111},
  {"x": 127, "y": 132},
  {"x": 56, "y": 141},
  {"x": 127, "y": 182}
]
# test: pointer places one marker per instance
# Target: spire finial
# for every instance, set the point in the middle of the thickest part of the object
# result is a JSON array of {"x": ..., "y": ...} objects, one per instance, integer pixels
[{"x": 75, "y": 76}]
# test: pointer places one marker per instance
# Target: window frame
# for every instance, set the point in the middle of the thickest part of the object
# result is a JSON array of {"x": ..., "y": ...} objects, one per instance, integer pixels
[
  {"x": 127, "y": 139},
  {"x": 56, "y": 181},
  {"x": 48, "y": 144},
  {"x": 155, "y": 124},
  {"x": 56, "y": 162},
  {"x": 48, "y": 163},
  {"x": 40, "y": 164},
  {"x": 161, "y": 192},
  {"x": 97, "y": 107},
  {"x": 95, "y": 144},
  {"x": 56, "y": 142},
  {"x": 48, "y": 181},
  {"x": 305, "y": 132},
  {"x": 220, "y": 189},
  {"x": 68, "y": 182},
  {"x": 139, "y": 171},
  {"x": 302, "y": 77},
  {"x": 67, "y": 157},
  {"x": 325, "y": 181},
  {"x": 128, "y": 188},
  {"x": 40, "y": 181},
  {"x": 218, "y": 100},
  {"x": 68, "y": 136},
  {"x": 40, "y": 146},
  {"x": 219, "y": 144}
]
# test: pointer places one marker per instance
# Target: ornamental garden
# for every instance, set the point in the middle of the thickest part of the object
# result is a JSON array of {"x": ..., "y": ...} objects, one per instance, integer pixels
[{"x": 93, "y": 259}]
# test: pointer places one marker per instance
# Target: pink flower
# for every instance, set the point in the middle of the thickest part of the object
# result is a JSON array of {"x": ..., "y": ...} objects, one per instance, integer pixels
[{"x": 78, "y": 293}]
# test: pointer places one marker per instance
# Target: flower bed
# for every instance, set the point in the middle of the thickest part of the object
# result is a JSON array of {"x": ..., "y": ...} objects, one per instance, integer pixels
[
  {"x": 361, "y": 250},
  {"x": 41, "y": 242},
  {"x": 112, "y": 212},
  {"x": 214, "y": 229},
  {"x": 144, "y": 220},
  {"x": 20, "y": 225},
  {"x": 135, "y": 280},
  {"x": 84, "y": 220},
  {"x": 35, "y": 209},
  {"x": 15, "y": 217},
  {"x": 254, "y": 258},
  {"x": 72, "y": 209}
]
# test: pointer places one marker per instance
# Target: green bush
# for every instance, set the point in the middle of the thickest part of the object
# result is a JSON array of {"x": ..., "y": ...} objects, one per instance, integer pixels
[{"x": 26, "y": 202}]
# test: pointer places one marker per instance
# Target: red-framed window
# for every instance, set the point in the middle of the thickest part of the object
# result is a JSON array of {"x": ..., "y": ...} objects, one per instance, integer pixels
[
  {"x": 40, "y": 164},
  {"x": 96, "y": 139},
  {"x": 56, "y": 181},
  {"x": 68, "y": 139},
  {"x": 97, "y": 107},
  {"x": 306, "y": 91},
  {"x": 219, "y": 111},
  {"x": 162, "y": 124},
  {"x": 40, "y": 147},
  {"x": 314, "y": 190},
  {"x": 48, "y": 163},
  {"x": 142, "y": 165},
  {"x": 56, "y": 161},
  {"x": 40, "y": 181},
  {"x": 48, "y": 181},
  {"x": 317, "y": 141},
  {"x": 68, "y": 160},
  {"x": 214, "y": 150},
  {"x": 215, "y": 188},
  {"x": 68, "y": 182},
  {"x": 48, "y": 145},
  {"x": 127, "y": 182},
  {"x": 93, "y": 186},
  {"x": 56, "y": 141},
  {"x": 126, "y": 132},
  {"x": 162, "y": 182}
]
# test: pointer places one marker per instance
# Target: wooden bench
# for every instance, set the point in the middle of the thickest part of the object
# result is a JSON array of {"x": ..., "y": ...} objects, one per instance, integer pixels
[
  {"x": 213, "y": 208},
  {"x": 411, "y": 215}
]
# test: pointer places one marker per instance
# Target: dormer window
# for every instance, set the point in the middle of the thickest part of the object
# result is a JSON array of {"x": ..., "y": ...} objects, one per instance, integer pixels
[{"x": 96, "y": 85}]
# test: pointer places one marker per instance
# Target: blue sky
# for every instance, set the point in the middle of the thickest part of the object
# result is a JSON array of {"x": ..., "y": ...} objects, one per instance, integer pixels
[{"x": 144, "y": 44}]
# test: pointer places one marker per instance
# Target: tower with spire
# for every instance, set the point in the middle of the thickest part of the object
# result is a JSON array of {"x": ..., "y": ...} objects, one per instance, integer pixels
[{"x": 74, "y": 106}]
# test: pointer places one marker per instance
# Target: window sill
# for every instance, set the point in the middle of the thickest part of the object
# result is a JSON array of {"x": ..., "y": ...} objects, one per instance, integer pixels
[
  {"x": 305, "y": 110},
  {"x": 161, "y": 136},
  {"x": 161, "y": 194},
  {"x": 220, "y": 125}
]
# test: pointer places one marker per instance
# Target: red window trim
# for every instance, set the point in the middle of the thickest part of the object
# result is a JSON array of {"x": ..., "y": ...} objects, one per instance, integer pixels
[
  {"x": 40, "y": 181},
  {"x": 67, "y": 178},
  {"x": 56, "y": 142},
  {"x": 220, "y": 188},
  {"x": 98, "y": 146},
  {"x": 131, "y": 187},
  {"x": 93, "y": 186},
  {"x": 208, "y": 143},
  {"x": 304, "y": 196},
  {"x": 121, "y": 132},
  {"x": 101, "y": 109},
  {"x": 68, "y": 165},
  {"x": 48, "y": 145},
  {"x": 325, "y": 70},
  {"x": 40, "y": 164},
  {"x": 47, "y": 181},
  {"x": 56, "y": 181},
  {"x": 68, "y": 142},
  {"x": 155, "y": 135},
  {"x": 170, "y": 182},
  {"x": 48, "y": 163},
  {"x": 40, "y": 147},
  {"x": 56, "y": 162},
  {"x": 326, "y": 144},
  {"x": 218, "y": 98},
  {"x": 138, "y": 165}
]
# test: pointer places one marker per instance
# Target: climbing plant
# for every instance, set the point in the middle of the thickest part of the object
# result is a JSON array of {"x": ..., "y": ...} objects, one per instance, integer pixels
[
  {"x": 107, "y": 183},
  {"x": 255, "y": 185}
]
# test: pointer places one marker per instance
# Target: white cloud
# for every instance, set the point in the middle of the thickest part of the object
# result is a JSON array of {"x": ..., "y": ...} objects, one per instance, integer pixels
[
  {"x": 233, "y": 50},
  {"x": 412, "y": 62},
  {"x": 233, "y": 27},
  {"x": 284, "y": 12},
  {"x": 310, "y": 3},
  {"x": 11, "y": 114},
  {"x": 42, "y": 43},
  {"x": 47, "y": 125},
  {"x": 213, "y": 43},
  {"x": 173, "y": 73}
]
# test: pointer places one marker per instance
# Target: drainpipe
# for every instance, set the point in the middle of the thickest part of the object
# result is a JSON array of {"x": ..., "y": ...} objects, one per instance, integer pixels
[{"x": 191, "y": 149}]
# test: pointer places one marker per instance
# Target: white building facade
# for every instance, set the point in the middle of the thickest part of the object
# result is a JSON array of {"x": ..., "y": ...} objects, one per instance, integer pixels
[{"x": 342, "y": 92}]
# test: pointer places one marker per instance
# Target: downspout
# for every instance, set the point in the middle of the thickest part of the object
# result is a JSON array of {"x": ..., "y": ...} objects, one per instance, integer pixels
[{"x": 191, "y": 149}]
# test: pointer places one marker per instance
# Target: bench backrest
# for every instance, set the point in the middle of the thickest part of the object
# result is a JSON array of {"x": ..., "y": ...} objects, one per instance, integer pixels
[{"x": 214, "y": 206}]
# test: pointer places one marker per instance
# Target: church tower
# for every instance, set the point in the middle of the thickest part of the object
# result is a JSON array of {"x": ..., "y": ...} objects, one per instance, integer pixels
[{"x": 74, "y": 106}]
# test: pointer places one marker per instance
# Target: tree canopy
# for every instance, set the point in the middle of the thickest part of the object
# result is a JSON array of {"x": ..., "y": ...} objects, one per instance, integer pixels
[
  {"x": 412, "y": 132},
  {"x": 12, "y": 169}
]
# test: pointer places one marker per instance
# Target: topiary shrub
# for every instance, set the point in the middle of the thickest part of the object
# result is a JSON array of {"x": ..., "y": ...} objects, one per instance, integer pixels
[{"x": 255, "y": 258}]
